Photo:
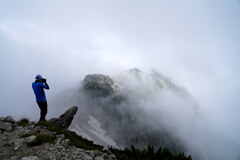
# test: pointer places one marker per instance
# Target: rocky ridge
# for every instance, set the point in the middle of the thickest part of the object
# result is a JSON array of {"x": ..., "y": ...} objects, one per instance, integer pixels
[{"x": 19, "y": 142}]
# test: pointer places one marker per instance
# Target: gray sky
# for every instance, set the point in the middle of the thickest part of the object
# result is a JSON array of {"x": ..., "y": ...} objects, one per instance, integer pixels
[{"x": 196, "y": 43}]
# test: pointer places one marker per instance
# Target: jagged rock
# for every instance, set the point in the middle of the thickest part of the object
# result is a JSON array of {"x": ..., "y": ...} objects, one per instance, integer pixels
[
  {"x": 5, "y": 126},
  {"x": 64, "y": 121}
]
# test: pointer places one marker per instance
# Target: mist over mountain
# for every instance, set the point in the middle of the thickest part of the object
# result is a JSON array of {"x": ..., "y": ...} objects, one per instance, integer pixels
[
  {"x": 195, "y": 43},
  {"x": 134, "y": 108}
]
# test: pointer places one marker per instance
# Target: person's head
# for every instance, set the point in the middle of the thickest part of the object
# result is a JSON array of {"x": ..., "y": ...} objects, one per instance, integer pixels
[{"x": 38, "y": 78}]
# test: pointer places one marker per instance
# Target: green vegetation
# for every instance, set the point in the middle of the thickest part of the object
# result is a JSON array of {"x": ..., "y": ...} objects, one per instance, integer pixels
[
  {"x": 26, "y": 135},
  {"x": 42, "y": 138},
  {"x": 128, "y": 154},
  {"x": 148, "y": 154},
  {"x": 23, "y": 122},
  {"x": 75, "y": 139}
]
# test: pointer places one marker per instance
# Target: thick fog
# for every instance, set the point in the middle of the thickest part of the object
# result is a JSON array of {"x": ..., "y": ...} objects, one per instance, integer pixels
[{"x": 196, "y": 43}]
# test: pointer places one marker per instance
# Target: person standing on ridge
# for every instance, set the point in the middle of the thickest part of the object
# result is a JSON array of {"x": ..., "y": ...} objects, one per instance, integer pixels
[{"x": 38, "y": 87}]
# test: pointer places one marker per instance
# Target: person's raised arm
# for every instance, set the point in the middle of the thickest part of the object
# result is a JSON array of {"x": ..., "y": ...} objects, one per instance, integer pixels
[
  {"x": 46, "y": 85},
  {"x": 45, "y": 82}
]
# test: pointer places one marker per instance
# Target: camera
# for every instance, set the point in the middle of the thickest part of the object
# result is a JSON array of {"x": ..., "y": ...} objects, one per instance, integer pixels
[{"x": 44, "y": 80}]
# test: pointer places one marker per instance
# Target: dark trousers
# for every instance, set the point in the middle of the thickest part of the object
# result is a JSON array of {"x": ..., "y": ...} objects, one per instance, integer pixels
[{"x": 43, "y": 109}]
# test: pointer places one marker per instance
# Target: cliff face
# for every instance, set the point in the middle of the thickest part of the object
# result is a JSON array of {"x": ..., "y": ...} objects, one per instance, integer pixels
[{"x": 42, "y": 141}]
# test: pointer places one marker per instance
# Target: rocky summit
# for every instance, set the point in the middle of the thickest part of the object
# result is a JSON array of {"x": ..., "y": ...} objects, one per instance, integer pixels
[
  {"x": 24, "y": 140},
  {"x": 98, "y": 85}
]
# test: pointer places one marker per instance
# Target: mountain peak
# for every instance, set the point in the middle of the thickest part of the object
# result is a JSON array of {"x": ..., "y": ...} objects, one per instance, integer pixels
[
  {"x": 98, "y": 85},
  {"x": 135, "y": 70}
]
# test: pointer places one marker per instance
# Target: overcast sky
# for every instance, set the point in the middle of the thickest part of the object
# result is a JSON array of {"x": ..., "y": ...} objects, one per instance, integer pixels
[{"x": 195, "y": 42}]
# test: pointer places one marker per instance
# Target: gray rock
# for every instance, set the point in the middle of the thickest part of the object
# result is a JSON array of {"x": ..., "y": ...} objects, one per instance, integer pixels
[
  {"x": 113, "y": 156},
  {"x": 107, "y": 150},
  {"x": 60, "y": 139},
  {"x": 13, "y": 158},
  {"x": 30, "y": 158},
  {"x": 86, "y": 157},
  {"x": 98, "y": 153},
  {"x": 9, "y": 119},
  {"x": 64, "y": 121},
  {"x": 30, "y": 139},
  {"x": 27, "y": 131},
  {"x": 6, "y": 126},
  {"x": 92, "y": 154},
  {"x": 98, "y": 85},
  {"x": 99, "y": 158},
  {"x": 17, "y": 143},
  {"x": 65, "y": 142}
]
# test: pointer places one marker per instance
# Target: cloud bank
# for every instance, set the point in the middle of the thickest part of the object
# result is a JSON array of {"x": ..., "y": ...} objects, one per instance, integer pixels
[{"x": 195, "y": 43}]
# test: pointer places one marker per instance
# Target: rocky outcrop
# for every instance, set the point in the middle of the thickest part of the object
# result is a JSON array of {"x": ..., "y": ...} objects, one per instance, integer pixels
[
  {"x": 98, "y": 85},
  {"x": 15, "y": 143},
  {"x": 6, "y": 123},
  {"x": 64, "y": 121}
]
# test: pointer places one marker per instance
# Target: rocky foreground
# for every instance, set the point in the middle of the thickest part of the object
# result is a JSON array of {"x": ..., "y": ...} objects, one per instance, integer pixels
[
  {"x": 24, "y": 140},
  {"x": 34, "y": 141}
]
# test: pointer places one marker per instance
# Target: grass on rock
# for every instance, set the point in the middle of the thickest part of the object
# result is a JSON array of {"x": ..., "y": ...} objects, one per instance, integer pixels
[
  {"x": 42, "y": 138},
  {"x": 23, "y": 122},
  {"x": 75, "y": 139}
]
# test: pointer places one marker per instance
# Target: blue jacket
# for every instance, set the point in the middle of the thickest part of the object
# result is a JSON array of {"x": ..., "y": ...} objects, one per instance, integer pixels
[{"x": 39, "y": 92}]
